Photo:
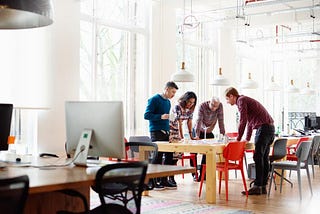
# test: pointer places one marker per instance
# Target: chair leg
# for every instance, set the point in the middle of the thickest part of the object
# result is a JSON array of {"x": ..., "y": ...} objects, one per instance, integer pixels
[
  {"x": 220, "y": 178},
  {"x": 312, "y": 164},
  {"x": 202, "y": 178},
  {"x": 226, "y": 179},
  {"x": 182, "y": 164},
  {"x": 244, "y": 182},
  {"x": 299, "y": 182},
  {"x": 271, "y": 175},
  {"x": 193, "y": 158},
  {"x": 276, "y": 173},
  {"x": 281, "y": 180},
  {"x": 308, "y": 174},
  {"x": 245, "y": 161}
]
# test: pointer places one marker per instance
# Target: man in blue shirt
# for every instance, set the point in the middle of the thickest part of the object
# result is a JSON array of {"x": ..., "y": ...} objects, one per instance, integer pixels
[{"x": 157, "y": 112}]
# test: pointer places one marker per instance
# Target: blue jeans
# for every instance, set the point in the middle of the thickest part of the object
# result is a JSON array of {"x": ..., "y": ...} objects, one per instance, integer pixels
[{"x": 263, "y": 139}]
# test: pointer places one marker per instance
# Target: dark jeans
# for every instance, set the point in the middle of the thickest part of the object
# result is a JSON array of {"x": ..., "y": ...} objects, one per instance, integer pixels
[
  {"x": 168, "y": 156},
  {"x": 263, "y": 139},
  {"x": 165, "y": 158}
]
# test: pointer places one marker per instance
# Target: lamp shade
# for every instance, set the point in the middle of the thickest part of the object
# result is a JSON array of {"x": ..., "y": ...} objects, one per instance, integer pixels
[
  {"x": 292, "y": 88},
  {"x": 249, "y": 83},
  {"x": 220, "y": 79},
  {"x": 273, "y": 86},
  {"x": 308, "y": 90},
  {"x": 182, "y": 75},
  {"x": 22, "y": 14}
]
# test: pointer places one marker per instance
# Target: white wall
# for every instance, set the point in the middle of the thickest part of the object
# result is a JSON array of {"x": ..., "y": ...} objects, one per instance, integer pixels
[
  {"x": 163, "y": 44},
  {"x": 64, "y": 84}
]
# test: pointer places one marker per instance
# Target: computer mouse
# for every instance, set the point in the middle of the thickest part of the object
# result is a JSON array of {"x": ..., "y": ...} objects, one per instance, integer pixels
[{"x": 43, "y": 155}]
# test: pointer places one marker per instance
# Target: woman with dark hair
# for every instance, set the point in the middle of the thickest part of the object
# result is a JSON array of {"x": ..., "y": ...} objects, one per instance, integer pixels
[{"x": 183, "y": 111}]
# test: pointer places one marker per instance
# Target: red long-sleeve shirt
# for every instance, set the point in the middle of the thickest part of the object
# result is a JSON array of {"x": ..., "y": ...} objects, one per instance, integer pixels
[{"x": 253, "y": 114}]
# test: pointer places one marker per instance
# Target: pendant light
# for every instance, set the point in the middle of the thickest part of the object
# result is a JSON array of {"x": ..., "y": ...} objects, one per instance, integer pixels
[
  {"x": 23, "y": 14},
  {"x": 220, "y": 79},
  {"x": 273, "y": 86},
  {"x": 308, "y": 90},
  {"x": 182, "y": 75},
  {"x": 292, "y": 88},
  {"x": 249, "y": 83}
]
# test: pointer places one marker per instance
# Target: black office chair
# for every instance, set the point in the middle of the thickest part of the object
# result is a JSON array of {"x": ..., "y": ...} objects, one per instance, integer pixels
[
  {"x": 131, "y": 174},
  {"x": 119, "y": 191},
  {"x": 14, "y": 194},
  {"x": 302, "y": 153}
]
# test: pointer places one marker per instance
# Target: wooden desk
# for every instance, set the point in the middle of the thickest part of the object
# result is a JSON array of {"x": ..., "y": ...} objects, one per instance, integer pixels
[
  {"x": 44, "y": 183},
  {"x": 210, "y": 150}
]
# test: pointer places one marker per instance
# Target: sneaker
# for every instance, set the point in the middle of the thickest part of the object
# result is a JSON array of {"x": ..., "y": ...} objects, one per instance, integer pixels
[
  {"x": 255, "y": 190},
  {"x": 158, "y": 187},
  {"x": 171, "y": 179},
  {"x": 168, "y": 184}
]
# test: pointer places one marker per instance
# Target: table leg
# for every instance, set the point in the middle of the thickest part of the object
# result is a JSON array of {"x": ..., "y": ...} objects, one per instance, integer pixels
[{"x": 211, "y": 177}]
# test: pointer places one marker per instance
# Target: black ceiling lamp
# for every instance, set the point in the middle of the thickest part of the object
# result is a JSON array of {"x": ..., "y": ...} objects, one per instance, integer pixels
[{"x": 23, "y": 14}]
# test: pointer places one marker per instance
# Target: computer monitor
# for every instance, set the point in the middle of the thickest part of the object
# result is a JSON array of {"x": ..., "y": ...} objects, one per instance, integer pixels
[
  {"x": 5, "y": 124},
  {"x": 310, "y": 122},
  {"x": 104, "y": 118}
]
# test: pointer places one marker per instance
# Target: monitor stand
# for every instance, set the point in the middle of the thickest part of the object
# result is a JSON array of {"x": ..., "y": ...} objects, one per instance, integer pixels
[{"x": 80, "y": 156}]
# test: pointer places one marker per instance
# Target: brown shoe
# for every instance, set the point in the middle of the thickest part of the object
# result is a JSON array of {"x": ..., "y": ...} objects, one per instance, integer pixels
[{"x": 255, "y": 190}]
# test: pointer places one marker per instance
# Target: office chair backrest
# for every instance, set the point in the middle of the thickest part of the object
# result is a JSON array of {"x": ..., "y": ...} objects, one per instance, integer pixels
[
  {"x": 144, "y": 139},
  {"x": 5, "y": 124},
  {"x": 280, "y": 148},
  {"x": 152, "y": 152},
  {"x": 303, "y": 151},
  {"x": 13, "y": 194},
  {"x": 234, "y": 151},
  {"x": 315, "y": 144},
  {"x": 131, "y": 174}
]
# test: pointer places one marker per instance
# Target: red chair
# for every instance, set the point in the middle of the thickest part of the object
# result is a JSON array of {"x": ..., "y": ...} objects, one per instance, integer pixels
[
  {"x": 233, "y": 155},
  {"x": 291, "y": 150},
  {"x": 191, "y": 157},
  {"x": 232, "y": 135}
]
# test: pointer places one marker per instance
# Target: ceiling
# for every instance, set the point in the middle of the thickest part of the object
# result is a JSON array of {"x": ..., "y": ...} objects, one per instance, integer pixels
[{"x": 295, "y": 23}]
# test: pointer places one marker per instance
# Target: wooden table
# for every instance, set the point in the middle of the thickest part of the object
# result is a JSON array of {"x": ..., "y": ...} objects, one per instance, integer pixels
[
  {"x": 209, "y": 149},
  {"x": 44, "y": 182}
]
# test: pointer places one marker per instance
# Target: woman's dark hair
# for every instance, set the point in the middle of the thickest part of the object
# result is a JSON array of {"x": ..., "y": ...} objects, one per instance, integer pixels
[{"x": 187, "y": 96}]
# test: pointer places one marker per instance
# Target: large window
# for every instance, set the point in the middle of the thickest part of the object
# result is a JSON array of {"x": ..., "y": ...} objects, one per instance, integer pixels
[
  {"x": 114, "y": 44},
  {"x": 284, "y": 60},
  {"x": 197, "y": 48}
]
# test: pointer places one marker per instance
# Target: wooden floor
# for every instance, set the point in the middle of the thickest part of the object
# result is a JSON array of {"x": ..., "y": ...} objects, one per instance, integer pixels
[{"x": 286, "y": 202}]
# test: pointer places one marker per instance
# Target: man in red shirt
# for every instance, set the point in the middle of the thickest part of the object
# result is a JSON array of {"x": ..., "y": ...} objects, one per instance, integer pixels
[{"x": 254, "y": 116}]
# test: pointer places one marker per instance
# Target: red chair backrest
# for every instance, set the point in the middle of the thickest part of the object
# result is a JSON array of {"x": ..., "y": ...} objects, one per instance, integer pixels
[
  {"x": 234, "y": 151},
  {"x": 302, "y": 139},
  {"x": 232, "y": 134}
]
